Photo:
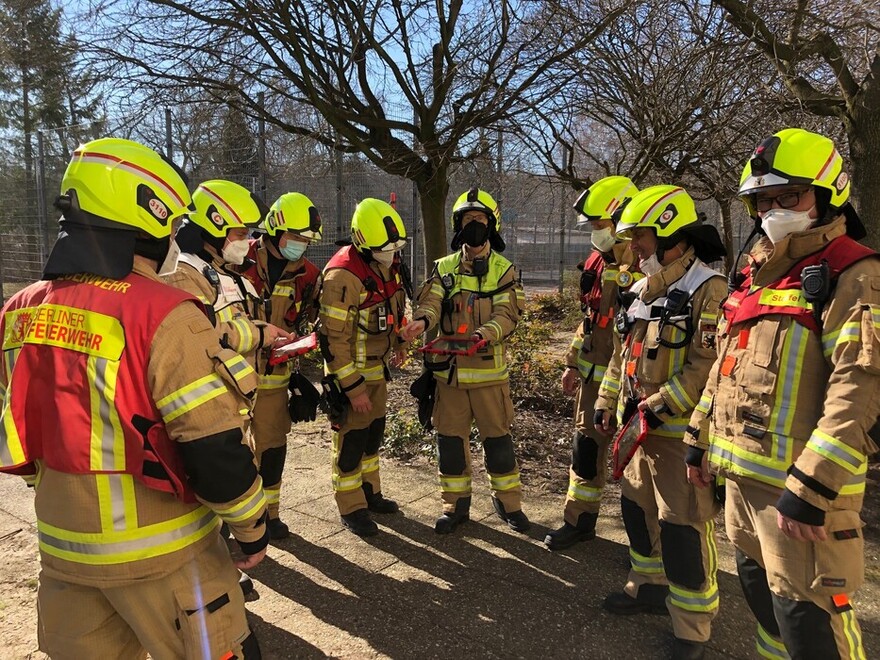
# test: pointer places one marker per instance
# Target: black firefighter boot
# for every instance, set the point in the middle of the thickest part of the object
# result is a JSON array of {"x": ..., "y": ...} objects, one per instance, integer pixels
[
  {"x": 376, "y": 503},
  {"x": 685, "y": 649},
  {"x": 651, "y": 599},
  {"x": 447, "y": 523},
  {"x": 359, "y": 523},
  {"x": 567, "y": 535},
  {"x": 516, "y": 520}
]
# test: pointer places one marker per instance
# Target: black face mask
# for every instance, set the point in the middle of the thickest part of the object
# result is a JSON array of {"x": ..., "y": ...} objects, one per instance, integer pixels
[{"x": 474, "y": 234}]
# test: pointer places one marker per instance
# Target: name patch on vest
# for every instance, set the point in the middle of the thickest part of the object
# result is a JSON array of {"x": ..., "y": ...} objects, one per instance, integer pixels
[
  {"x": 784, "y": 298},
  {"x": 65, "y": 327}
]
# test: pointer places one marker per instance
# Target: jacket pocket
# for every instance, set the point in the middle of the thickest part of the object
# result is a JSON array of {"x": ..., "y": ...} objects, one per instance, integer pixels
[{"x": 838, "y": 562}]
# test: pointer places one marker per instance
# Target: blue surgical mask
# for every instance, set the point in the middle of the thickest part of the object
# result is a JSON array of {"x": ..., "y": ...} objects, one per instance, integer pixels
[{"x": 293, "y": 250}]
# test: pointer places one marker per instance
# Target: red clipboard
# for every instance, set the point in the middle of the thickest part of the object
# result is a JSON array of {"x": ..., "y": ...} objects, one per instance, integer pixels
[
  {"x": 299, "y": 346},
  {"x": 626, "y": 442},
  {"x": 454, "y": 346}
]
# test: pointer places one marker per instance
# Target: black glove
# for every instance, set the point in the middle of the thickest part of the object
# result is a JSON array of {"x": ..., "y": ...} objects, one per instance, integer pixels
[
  {"x": 304, "y": 397},
  {"x": 598, "y": 417},
  {"x": 424, "y": 390},
  {"x": 333, "y": 401}
]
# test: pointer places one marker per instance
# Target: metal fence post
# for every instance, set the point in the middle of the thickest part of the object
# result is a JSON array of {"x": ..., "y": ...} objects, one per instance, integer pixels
[
  {"x": 339, "y": 190},
  {"x": 562, "y": 228},
  {"x": 42, "y": 210}
]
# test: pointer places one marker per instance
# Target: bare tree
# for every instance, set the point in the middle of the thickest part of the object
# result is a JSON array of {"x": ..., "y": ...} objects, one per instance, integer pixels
[
  {"x": 825, "y": 53},
  {"x": 408, "y": 83}
]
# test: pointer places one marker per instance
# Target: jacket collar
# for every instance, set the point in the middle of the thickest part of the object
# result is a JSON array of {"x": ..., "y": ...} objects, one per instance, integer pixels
[{"x": 658, "y": 283}]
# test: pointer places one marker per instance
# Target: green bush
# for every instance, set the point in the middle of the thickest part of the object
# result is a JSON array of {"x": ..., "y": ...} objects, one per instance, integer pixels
[{"x": 405, "y": 437}]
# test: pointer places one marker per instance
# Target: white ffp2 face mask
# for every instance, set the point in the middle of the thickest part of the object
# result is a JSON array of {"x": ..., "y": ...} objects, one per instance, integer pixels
[
  {"x": 779, "y": 223},
  {"x": 234, "y": 252},
  {"x": 650, "y": 265},
  {"x": 384, "y": 258},
  {"x": 169, "y": 264},
  {"x": 603, "y": 239}
]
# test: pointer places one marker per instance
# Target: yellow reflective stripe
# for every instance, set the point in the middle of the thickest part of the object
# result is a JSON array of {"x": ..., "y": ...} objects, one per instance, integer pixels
[
  {"x": 766, "y": 469},
  {"x": 455, "y": 484},
  {"x": 788, "y": 383},
  {"x": 610, "y": 384},
  {"x": 836, "y": 451},
  {"x": 466, "y": 376},
  {"x": 496, "y": 327},
  {"x": 244, "y": 509},
  {"x": 273, "y": 495},
  {"x": 583, "y": 493},
  {"x": 274, "y": 381},
  {"x": 225, "y": 315},
  {"x": 344, "y": 484},
  {"x": 599, "y": 373},
  {"x": 853, "y": 635},
  {"x": 849, "y": 331},
  {"x": 708, "y": 317},
  {"x": 784, "y": 298},
  {"x": 107, "y": 442},
  {"x": 345, "y": 371},
  {"x": 705, "y": 404},
  {"x": 437, "y": 289},
  {"x": 11, "y": 449},
  {"x": 770, "y": 647},
  {"x": 645, "y": 565},
  {"x": 677, "y": 356},
  {"x": 334, "y": 312},
  {"x": 370, "y": 464},
  {"x": 376, "y": 372},
  {"x": 190, "y": 396},
  {"x": 678, "y": 394},
  {"x": 856, "y": 483},
  {"x": 103, "y": 548},
  {"x": 283, "y": 290},
  {"x": 31, "y": 479},
  {"x": 694, "y": 601},
  {"x": 246, "y": 338},
  {"x": 500, "y": 298},
  {"x": 117, "y": 505},
  {"x": 508, "y": 482},
  {"x": 577, "y": 343}
]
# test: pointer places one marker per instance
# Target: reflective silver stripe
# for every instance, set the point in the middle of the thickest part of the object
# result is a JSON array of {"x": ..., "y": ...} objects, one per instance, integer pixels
[
  {"x": 783, "y": 410},
  {"x": 770, "y": 647},
  {"x": 818, "y": 442},
  {"x": 765, "y": 473},
  {"x": 108, "y": 457},
  {"x": 187, "y": 398},
  {"x": 117, "y": 501},
  {"x": 121, "y": 547},
  {"x": 696, "y": 599},
  {"x": 238, "y": 366}
]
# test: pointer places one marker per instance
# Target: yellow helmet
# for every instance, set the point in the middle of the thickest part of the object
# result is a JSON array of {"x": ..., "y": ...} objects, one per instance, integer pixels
[
  {"x": 375, "y": 225},
  {"x": 294, "y": 212},
  {"x": 603, "y": 198},
  {"x": 665, "y": 209},
  {"x": 223, "y": 205},
  {"x": 121, "y": 182},
  {"x": 476, "y": 200},
  {"x": 794, "y": 156}
]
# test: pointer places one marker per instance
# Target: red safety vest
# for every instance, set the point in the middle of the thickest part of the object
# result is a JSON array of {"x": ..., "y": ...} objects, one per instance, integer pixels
[
  {"x": 348, "y": 258},
  {"x": 595, "y": 263},
  {"x": 76, "y": 352},
  {"x": 784, "y": 296},
  {"x": 307, "y": 274}
]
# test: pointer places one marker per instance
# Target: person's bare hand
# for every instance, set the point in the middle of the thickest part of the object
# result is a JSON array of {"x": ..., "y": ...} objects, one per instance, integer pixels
[
  {"x": 800, "y": 531},
  {"x": 570, "y": 381},
  {"x": 249, "y": 561},
  {"x": 361, "y": 403},
  {"x": 412, "y": 329},
  {"x": 273, "y": 334},
  {"x": 700, "y": 476},
  {"x": 607, "y": 423}
]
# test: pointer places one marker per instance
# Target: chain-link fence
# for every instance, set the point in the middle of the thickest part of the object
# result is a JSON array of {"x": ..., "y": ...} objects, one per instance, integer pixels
[{"x": 536, "y": 210}]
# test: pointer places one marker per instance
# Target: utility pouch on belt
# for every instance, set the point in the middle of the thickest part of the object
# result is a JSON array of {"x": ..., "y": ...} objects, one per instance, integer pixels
[
  {"x": 424, "y": 389},
  {"x": 333, "y": 401},
  {"x": 235, "y": 371},
  {"x": 627, "y": 441}
]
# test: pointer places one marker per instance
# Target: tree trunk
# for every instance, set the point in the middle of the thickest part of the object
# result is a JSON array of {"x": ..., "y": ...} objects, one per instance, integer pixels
[
  {"x": 432, "y": 198},
  {"x": 726, "y": 231},
  {"x": 863, "y": 131}
]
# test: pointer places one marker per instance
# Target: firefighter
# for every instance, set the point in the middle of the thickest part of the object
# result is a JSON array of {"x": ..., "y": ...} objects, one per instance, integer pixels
[
  {"x": 126, "y": 415},
  {"x": 607, "y": 274},
  {"x": 782, "y": 418},
  {"x": 474, "y": 292},
  {"x": 287, "y": 283},
  {"x": 213, "y": 240},
  {"x": 667, "y": 340},
  {"x": 362, "y": 304}
]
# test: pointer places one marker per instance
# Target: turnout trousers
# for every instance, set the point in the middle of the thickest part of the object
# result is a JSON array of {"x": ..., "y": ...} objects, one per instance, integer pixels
[
  {"x": 587, "y": 473},
  {"x": 195, "y": 612},
  {"x": 356, "y": 451},
  {"x": 671, "y": 535},
  {"x": 492, "y": 410},
  {"x": 798, "y": 591},
  {"x": 269, "y": 428}
]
